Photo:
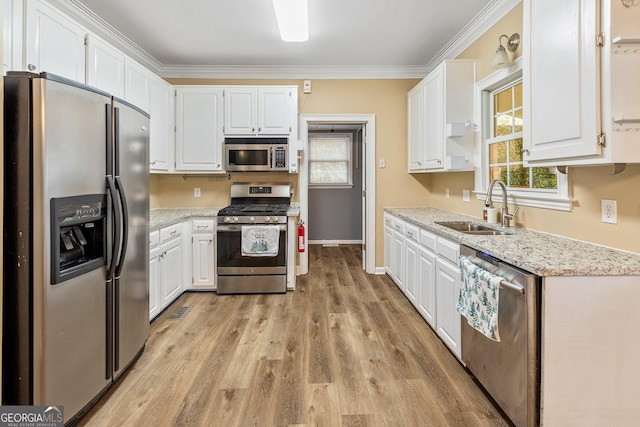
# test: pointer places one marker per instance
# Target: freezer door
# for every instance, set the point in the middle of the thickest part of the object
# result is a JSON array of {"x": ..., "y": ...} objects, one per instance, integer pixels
[
  {"x": 131, "y": 170},
  {"x": 69, "y": 326}
]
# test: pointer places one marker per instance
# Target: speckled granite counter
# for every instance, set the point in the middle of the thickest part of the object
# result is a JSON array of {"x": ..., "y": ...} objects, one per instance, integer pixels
[
  {"x": 162, "y": 217},
  {"x": 540, "y": 253}
]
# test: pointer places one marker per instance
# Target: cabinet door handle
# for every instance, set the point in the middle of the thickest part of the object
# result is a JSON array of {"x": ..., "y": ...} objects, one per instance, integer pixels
[
  {"x": 173, "y": 233},
  {"x": 259, "y": 129},
  {"x": 32, "y": 67},
  {"x": 253, "y": 129},
  {"x": 410, "y": 234},
  {"x": 210, "y": 240},
  {"x": 202, "y": 227}
]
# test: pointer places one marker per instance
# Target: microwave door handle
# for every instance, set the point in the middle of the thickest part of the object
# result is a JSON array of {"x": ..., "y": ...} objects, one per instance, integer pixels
[{"x": 270, "y": 157}]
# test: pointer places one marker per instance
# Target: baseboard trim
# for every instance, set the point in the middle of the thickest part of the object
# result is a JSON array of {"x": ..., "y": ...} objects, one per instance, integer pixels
[{"x": 335, "y": 242}]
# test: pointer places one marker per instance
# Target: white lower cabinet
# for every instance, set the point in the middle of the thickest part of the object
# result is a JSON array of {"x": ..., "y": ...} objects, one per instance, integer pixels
[
  {"x": 165, "y": 268},
  {"x": 388, "y": 244},
  {"x": 447, "y": 292},
  {"x": 426, "y": 303},
  {"x": 154, "y": 274},
  {"x": 202, "y": 252},
  {"x": 398, "y": 252},
  {"x": 425, "y": 267}
]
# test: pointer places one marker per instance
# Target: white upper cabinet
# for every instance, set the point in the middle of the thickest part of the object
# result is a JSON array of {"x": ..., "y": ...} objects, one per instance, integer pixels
[
  {"x": 443, "y": 100},
  {"x": 264, "y": 110},
  {"x": 12, "y": 35},
  {"x": 583, "y": 109},
  {"x": 415, "y": 128},
  {"x": 161, "y": 134},
  {"x": 561, "y": 79},
  {"x": 199, "y": 139},
  {"x": 137, "y": 84},
  {"x": 53, "y": 43},
  {"x": 105, "y": 67},
  {"x": 273, "y": 110}
]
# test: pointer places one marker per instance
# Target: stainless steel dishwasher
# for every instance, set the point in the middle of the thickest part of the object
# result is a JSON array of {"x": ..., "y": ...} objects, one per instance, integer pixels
[{"x": 509, "y": 370}]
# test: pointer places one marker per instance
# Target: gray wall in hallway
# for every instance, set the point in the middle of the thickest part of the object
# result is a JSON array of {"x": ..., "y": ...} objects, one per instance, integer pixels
[{"x": 336, "y": 214}]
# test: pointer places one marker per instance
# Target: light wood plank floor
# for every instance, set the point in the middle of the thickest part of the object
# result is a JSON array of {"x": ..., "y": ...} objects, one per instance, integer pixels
[{"x": 344, "y": 349}]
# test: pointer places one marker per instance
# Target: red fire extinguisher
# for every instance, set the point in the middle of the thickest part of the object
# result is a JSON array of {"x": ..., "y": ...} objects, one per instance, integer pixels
[{"x": 301, "y": 236}]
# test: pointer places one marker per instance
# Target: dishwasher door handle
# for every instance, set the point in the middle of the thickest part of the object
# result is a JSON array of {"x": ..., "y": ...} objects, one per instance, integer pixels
[{"x": 512, "y": 286}]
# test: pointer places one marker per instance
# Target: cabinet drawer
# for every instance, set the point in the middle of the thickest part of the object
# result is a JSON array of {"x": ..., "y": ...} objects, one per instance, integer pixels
[
  {"x": 398, "y": 225},
  {"x": 388, "y": 220},
  {"x": 202, "y": 225},
  {"x": 428, "y": 239},
  {"x": 412, "y": 232},
  {"x": 170, "y": 232},
  {"x": 449, "y": 250},
  {"x": 154, "y": 238}
]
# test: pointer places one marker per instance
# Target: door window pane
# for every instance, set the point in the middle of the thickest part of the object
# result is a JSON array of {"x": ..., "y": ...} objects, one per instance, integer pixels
[{"x": 329, "y": 160}]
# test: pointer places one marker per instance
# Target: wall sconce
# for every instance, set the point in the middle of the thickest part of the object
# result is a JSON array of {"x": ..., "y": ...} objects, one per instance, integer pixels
[{"x": 501, "y": 60}]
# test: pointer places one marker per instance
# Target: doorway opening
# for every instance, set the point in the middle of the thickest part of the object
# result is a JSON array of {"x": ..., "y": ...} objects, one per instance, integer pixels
[{"x": 337, "y": 183}]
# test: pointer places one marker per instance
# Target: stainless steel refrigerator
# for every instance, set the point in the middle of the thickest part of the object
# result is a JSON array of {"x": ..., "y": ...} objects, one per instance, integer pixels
[{"x": 76, "y": 264}]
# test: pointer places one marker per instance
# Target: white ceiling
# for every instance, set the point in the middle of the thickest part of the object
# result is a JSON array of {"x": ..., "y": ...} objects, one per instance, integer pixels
[{"x": 344, "y": 33}]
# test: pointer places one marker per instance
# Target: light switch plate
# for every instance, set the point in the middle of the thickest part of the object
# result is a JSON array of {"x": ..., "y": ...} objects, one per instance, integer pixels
[
  {"x": 465, "y": 195},
  {"x": 196, "y": 192},
  {"x": 446, "y": 193},
  {"x": 610, "y": 211}
]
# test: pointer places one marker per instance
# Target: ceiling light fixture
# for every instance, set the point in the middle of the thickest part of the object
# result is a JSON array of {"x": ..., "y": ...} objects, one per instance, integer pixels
[
  {"x": 293, "y": 19},
  {"x": 501, "y": 60}
]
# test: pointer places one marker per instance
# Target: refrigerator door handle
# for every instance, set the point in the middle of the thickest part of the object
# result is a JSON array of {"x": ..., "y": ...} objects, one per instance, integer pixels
[
  {"x": 125, "y": 225},
  {"x": 116, "y": 280},
  {"x": 115, "y": 206}
]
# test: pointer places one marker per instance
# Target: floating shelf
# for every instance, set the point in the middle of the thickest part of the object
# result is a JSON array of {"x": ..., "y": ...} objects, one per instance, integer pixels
[{"x": 626, "y": 40}]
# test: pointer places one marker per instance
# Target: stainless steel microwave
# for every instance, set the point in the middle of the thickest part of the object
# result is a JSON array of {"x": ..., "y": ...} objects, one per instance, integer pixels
[{"x": 256, "y": 154}]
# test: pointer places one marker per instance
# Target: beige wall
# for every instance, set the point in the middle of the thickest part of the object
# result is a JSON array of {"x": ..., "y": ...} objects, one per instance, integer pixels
[
  {"x": 589, "y": 185},
  {"x": 386, "y": 98}
]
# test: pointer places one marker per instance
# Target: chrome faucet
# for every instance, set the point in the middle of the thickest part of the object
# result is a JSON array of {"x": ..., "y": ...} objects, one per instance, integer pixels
[{"x": 488, "y": 202}]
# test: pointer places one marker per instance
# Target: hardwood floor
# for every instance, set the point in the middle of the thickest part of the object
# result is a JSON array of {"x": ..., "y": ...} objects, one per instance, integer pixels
[{"x": 344, "y": 349}]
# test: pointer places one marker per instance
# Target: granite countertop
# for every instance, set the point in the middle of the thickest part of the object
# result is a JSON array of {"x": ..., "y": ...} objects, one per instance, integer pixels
[
  {"x": 162, "y": 217},
  {"x": 539, "y": 253}
]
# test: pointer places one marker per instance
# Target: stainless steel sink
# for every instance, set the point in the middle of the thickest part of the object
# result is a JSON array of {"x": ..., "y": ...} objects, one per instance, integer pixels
[{"x": 469, "y": 227}]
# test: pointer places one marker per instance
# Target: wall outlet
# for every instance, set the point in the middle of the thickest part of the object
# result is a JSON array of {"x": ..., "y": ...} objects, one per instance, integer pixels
[
  {"x": 466, "y": 195},
  {"x": 196, "y": 192},
  {"x": 446, "y": 193},
  {"x": 382, "y": 163},
  {"x": 610, "y": 211}
]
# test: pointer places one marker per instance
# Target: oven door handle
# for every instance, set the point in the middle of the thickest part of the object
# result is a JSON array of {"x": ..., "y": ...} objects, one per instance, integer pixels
[{"x": 238, "y": 227}]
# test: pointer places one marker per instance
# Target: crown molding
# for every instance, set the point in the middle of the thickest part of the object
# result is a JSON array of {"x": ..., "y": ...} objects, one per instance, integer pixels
[
  {"x": 293, "y": 72},
  {"x": 487, "y": 18},
  {"x": 92, "y": 22}
]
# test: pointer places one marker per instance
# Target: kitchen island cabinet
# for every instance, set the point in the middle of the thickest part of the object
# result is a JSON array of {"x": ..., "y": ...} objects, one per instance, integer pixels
[{"x": 589, "y": 373}]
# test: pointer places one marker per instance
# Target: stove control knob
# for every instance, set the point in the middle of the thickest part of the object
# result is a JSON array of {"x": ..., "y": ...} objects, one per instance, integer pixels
[
  {"x": 252, "y": 219},
  {"x": 235, "y": 219},
  {"x": 227, "y": 219},
  {"x": 275, "y": 219},
  {"x": 267, "y": 219}
]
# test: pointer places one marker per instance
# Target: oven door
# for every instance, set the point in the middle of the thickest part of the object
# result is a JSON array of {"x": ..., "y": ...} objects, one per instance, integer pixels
[
  {"x": 248, "y": 157},
  {"x": 230, "y": 260}
]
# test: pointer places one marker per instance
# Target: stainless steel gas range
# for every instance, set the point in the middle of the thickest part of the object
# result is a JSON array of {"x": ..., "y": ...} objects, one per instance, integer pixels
[{"x": 252, "y": 239}]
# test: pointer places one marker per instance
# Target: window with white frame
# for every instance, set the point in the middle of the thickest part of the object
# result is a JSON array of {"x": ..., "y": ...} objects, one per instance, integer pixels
[
  {"x": 330, "y": 160},
  {"x": 502, "y": 125}
]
